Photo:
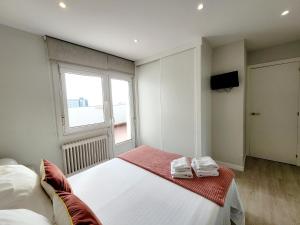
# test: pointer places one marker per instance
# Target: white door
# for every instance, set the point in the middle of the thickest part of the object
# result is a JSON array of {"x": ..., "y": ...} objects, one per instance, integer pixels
[
  {"x": 123, "y": 129},
  {"x": 273, "y": 96}
]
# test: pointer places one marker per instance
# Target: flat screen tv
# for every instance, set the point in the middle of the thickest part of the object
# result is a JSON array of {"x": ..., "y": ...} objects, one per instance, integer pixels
[{"x": 224, "y": 81}]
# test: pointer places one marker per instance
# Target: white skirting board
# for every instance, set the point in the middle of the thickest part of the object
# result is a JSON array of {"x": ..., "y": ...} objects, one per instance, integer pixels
[{"x": 232, "y": 166}]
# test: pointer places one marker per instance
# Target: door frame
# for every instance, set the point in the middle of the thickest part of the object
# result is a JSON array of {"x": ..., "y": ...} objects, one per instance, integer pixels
[
  {"x": 247, "y": 111},
  {"x": 121, "y": 147}
]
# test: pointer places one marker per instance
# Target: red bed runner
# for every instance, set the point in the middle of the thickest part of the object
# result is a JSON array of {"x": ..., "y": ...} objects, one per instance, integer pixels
[{"x": 158, "y": 162}]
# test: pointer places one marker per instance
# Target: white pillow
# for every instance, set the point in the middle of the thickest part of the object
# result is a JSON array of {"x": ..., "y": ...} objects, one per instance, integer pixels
[
  {"x": 7, "y": 161},
  {"x": 20, "y": 188},
  {"x": 22, "y": 217}
]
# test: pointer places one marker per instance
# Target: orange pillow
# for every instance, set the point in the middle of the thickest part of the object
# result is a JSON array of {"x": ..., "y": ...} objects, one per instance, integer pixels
[
  {"x": 53, "y": 179},
  {"x": 70, "y": 210}
]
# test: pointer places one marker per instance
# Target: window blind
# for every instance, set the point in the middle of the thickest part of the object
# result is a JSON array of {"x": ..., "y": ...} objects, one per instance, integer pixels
[{"x": 63, "y": 51}]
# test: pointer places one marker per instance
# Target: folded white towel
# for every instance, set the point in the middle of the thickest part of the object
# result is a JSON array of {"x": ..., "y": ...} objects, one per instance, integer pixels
[
  {"x": 181, "y": 164},
  {"x": 204, "y": 173},
  {"x": 181, "y": 168},
  {"x": 188, "y": 174},
  {"x": 205, "y": 167},
  {"x": 182, "y": 176},
  {"x": 204, "y": 163}
]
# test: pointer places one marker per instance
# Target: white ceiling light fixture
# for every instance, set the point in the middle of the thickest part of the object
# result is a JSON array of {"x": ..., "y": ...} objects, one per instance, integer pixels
[
  {"x": 136, "y": 41},
  {"x": 284, "y": 13},
  {"x": 62, "y": 5},
  {"x": 200, "y": 6}
]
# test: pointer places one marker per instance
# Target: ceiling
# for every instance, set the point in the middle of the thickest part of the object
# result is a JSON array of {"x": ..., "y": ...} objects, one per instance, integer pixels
[{"x": 112, "y": 25}]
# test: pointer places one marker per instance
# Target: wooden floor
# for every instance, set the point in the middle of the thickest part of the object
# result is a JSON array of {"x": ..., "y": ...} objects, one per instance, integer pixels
[{"x": 270, "y": 192}]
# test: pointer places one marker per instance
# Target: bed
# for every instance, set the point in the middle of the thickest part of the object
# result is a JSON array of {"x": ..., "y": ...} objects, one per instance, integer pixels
[
  {"x": 121, "y": 193},
  {"x": 117, "y": 192}
]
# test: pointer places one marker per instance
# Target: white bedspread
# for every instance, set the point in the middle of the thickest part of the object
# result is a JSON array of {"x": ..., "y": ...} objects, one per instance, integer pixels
[{"x": 121, "y": 193}]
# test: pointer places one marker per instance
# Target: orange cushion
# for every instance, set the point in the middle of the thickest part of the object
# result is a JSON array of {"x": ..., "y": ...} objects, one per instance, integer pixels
[
  {"x": 69, "y": 209},
  {"x": 53, "y": 179}
]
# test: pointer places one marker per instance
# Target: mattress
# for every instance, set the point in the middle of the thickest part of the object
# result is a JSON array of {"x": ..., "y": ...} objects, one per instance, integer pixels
[{"x": 121, "y": 193}]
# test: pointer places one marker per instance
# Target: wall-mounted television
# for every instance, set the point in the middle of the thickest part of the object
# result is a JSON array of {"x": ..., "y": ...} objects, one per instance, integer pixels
[{"x": 224, "y": 81}]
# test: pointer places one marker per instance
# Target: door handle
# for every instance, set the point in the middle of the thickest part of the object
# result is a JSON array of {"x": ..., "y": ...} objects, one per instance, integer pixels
[
  {"x": 255, "y": 114},
  {"x": 113, "y": 121}
]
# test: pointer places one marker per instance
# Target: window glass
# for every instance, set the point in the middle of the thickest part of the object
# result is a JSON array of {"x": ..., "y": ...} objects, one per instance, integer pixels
[
  {"x": 121, "y": 110},
  {"x": 84, "y": 99}
]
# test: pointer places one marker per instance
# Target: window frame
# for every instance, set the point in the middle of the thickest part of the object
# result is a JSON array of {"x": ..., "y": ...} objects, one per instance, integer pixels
[
  {"x": 83, "y": 71},
  {"x": 128, "y": 78}
]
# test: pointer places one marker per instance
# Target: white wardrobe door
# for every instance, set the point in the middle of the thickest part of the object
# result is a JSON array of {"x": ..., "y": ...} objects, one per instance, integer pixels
[
  {"x": 177, "y": 102},
  {"x": 148, "y": 76}
]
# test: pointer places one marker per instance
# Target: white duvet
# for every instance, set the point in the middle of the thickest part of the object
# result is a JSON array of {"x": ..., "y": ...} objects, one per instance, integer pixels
[
  {"x": 121, "y": 193},
  {"x": 22, "y": 217}
]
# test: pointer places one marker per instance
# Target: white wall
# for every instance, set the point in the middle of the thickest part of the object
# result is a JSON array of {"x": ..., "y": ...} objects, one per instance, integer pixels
[
  {"x": 206, "y": 61},
  {"x": 284, "y": 51},
  {"x": 228, "y": 108},
  {"x": 30, "y": 103},
  {"x": 27, "y": 117}
]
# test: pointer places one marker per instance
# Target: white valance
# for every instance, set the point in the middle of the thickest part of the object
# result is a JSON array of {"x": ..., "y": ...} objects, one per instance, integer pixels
[{"x": 71, "y": 53}]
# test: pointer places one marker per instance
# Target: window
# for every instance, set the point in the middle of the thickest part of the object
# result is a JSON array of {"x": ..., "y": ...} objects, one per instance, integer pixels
[
  {"x": 121, "y": 110},
  {"x": 83, "y": 100}
]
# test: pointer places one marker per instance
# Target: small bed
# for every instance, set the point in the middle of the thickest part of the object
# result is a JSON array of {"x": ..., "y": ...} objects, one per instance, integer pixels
[{"x": 121, "y": 193}]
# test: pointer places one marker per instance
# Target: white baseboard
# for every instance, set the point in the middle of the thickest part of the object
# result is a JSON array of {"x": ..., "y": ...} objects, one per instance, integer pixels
[{"x": 232, "y": 166}]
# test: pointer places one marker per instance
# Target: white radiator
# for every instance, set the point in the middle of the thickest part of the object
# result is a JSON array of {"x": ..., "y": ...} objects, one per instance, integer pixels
[{"x": 85, "y": 153}]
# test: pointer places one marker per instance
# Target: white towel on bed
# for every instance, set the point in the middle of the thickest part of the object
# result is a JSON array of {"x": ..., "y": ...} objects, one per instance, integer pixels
[
  {"x": 187, "y": 174},
  {"x": 181, "y": 168},
  {"x": 205, "y": 163},
  {"x": 205, "y": 167},
  {"x": 181, "y": 164},
  {"x": 205, "y": 173}
]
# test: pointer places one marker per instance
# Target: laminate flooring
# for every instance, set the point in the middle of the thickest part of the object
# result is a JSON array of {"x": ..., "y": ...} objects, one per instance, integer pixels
[{"x": 270, "y": 192}]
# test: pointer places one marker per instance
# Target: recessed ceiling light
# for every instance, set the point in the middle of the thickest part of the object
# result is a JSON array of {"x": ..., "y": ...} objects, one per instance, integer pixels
[
  {"x": 200, "y": 6},
  {"x": 284, "y": 13},
  {"x": 62, "y": 5},
  {"x": 135, "y": 40}
]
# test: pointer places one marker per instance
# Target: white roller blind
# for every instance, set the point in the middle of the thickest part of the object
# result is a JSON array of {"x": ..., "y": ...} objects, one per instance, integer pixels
[
  {"x": 71, "y": 53},
  {"x": 119, "y": 64}
]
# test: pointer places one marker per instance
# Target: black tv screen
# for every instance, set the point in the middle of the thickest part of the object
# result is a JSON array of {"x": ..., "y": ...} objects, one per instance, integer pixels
[{"x": 226, "y": 80}]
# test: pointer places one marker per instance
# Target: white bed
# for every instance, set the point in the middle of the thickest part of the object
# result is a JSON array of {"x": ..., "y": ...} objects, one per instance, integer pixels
[{"x": 121, "y": 193}]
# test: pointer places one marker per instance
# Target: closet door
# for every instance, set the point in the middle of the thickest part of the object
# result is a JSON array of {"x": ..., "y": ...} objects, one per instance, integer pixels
[
  {"x": 177, "y": 103},
  {"x": 148, "y": 76},
  {"x": 273, "y": 96}
]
